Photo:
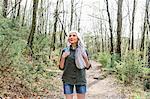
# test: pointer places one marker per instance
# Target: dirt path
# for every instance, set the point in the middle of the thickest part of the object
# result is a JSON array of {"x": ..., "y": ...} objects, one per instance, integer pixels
[{"x": 99, "y": 86}]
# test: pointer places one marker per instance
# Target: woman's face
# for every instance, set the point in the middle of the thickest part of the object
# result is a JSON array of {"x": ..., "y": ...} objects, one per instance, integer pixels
[{"x": 73, "y": 39}]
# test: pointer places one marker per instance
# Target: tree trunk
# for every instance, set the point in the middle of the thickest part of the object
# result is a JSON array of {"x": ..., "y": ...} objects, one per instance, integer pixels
[
  {"x": 130, "y": 26},
  {"x": 101, "y": 31},
  {"x": 24, "y": 13},
  {"x": 41, "y": 18},
  {"x": 97, "y": 49},
  {"x": 133, "y": 15},
  {"x": 149, "y": 56},
  {"x": 5, "y": 3},
  {"x": 63, "y": 32},
  {"x": 79, "y": 19},
  {"x": 110, "y": 28},
  {"x": 62, "y": 25},
  {"x": 72, "y": 10},
  {"x": 119, "y": 28},
  {"x": 31, "y": 36},
  {"x": 47, "y": 16},
  {"x": 14, "y": 10},
  {"x": 18, "y": 12},
  {"x": 106, "y": 43},
  {"x": 145, "y": 26},
  {"x": 55, "y": 27},
  {"x": 148, "y": 31}
]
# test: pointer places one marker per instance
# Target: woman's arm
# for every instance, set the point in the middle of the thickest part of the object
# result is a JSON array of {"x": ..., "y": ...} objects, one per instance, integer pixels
[
  {"x": 62, "y": 59},
  {"x": 61, "y": 63},
  {"x": 88, "y": 65},
  {"x": 86, "y": 59}
]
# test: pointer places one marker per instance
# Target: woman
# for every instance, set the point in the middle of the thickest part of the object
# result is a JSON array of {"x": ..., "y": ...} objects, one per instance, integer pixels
[{"x": 74, "y": 61}]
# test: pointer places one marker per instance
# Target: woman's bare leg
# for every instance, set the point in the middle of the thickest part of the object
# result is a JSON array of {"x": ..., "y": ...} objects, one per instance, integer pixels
[
  {"x": 80, "y": 96},
  {"x": 69, "y": 96}
]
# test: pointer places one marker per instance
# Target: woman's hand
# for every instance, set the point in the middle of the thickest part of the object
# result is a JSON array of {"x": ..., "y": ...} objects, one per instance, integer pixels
[
  {"x": 88, "y": 67},
  {"x": 62, "y": 60},
  {"x": 65, "y": 54}
]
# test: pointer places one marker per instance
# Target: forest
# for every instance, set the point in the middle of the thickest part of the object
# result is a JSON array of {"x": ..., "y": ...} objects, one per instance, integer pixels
[{"x": 33, "y": 33}]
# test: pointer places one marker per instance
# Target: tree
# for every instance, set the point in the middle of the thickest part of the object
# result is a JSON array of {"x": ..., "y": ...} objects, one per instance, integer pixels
[
  {"x": 145, "y": 26},
  {"x": 23, "y": 17},
  {"x": 110, "y": 27},
  {"x": 72, "y": 11},
  {"x": 18, "y": 12},
  {"x": 62, "y": 21},
  {"x": 133, "y": 16},
  {"x": 148, "y": 29},
  {"x": 40, "y": 26},
  {"x": 119, "y": 27},
  {"x": 79, "y": 19},
  {"x": 62, "y": 24},
  {"x": 130, "y": 25},
  {"x": 5, "y": 3},
  {"x": 13, "y": 9},
  {"x": 55, "y": 26},
  {"x": 31, "y": 36},
  {"x": 102, "y": 37}
]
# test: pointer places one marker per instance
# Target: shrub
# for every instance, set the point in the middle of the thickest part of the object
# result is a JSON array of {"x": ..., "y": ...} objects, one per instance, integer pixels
[
  {"x": 17, "y": 72},
  {"x": 104, "y": 59},
  {"x": 130, "y": 67}
]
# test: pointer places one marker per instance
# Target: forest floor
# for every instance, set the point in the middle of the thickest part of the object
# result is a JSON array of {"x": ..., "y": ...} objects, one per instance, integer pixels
[{"x": 101, "y": 85}]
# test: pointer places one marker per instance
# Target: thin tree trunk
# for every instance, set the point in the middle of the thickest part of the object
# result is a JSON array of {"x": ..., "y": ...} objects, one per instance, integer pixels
[
  {"x": 63, "y": 32},
  {"x": 147, "y": 32},
  {"x": 75, "y": 25},
  {"x": 106, "y": 38},
  {"x": 46, "y": 14},
  {"x": 130, "y": 26},
  {"x": 55, "y": 27},
  {"x": 60, "y": 38},
  {"x": 12, "y": 10},
  {"x": 32, "y": 32},
  {"x": 18, "y": 12},
  {"x": 110, "y": 28},
  {"x": 145, "y": 26},
  {"x": 133, "y": 16},
  {"x": 101, "y": 31},
  {"x": 13, "y": 7},
  {"x": 41, "y": 18},
  {"x": 79, "y": 19},
  {"x": 148, "y": 24},
  {"x": 97, "y": 49},
  {"x": 148, "y": 56},
  {"x": 62, "y": 25},
  {"x": 119, "y": 28},
  {"x": 5, "y": 3},
  {"x": 72, "y": 10},
  {"x": 24, "y": 13}
]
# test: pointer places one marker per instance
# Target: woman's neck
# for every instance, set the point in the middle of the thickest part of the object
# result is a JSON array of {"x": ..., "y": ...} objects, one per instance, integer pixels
[{"x": 74, "y": 46}]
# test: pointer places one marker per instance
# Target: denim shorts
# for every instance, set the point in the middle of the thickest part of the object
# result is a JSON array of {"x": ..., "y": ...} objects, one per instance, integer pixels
[{"x": 80, "y": 89}]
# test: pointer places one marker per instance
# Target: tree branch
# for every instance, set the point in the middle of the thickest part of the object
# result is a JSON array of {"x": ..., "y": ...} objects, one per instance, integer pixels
[
  {"x": 13, "y": 7},
  {"x": 97, "y": 17}
]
